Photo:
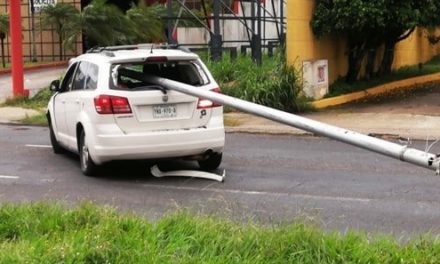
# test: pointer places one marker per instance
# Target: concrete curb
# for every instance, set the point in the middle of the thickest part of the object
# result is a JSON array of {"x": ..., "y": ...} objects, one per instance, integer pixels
[
  {"x": 38, "y": 66},
  {"x": 402, "y": 84},
  {"x": 9, "y": 114}
]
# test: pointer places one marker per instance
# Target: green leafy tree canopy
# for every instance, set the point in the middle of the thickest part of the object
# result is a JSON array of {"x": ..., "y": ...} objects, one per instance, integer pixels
[
  {"x": 370, "y": 24},
  {"x": 4, "y": 25}
]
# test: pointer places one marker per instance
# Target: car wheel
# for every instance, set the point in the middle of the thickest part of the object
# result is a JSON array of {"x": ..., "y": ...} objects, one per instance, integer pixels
[
  {"x": 88, "y": 167},
  {"x": 212, "y": 162},
  {"x": 57, "y": 149}
]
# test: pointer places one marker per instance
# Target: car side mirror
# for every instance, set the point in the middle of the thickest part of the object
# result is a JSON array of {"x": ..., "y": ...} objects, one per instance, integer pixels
[{"x": 55, "y": 86}]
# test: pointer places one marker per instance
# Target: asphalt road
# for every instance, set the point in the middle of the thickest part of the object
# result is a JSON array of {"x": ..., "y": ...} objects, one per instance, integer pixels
[{"x": 268, "y": 179}]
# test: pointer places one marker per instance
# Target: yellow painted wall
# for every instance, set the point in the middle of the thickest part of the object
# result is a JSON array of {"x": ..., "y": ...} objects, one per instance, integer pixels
[{"x": 303, "y": 45}]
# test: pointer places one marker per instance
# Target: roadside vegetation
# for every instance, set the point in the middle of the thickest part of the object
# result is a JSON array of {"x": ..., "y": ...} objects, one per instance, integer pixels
[
  {"x": 41, "y": 233},
  {"x": 37, "y": 102},
  {"x": 103, "y": 24},
  {"x": 4, "y": 30},
  {"x": 342, "y": 87},
  {"x": 368, "y": 26},
  {"x": 273, "y": 84},
  {"x": 28, "y": 63}
]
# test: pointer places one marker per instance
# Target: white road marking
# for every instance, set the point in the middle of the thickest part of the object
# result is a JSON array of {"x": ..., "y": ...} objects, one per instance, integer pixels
[
  {"x": 38, "y": 146},
  {"x": 303, "y": 196},
  {"x": 9, "y": 177}
]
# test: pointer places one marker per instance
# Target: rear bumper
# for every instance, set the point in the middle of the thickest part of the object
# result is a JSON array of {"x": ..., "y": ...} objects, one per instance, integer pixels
[{"x": 157, "y": 144}]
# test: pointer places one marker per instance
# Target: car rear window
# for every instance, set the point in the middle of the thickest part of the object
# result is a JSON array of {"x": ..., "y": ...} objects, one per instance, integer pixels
[{"x": 135, "y": 76}]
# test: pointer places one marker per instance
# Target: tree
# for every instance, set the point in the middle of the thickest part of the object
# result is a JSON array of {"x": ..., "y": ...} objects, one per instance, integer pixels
[
  {"x": 102, "y": 24},
  {"x": 431, "y": 20},
  {"x": 401, "y": 19},
  {"x": 59, "y": 16},
  {"x": 4, "y": 29},
  {"x": 369, "y": 25},
  {"x": 146, "y": 22},
  {"x": 356, "y": 20}
]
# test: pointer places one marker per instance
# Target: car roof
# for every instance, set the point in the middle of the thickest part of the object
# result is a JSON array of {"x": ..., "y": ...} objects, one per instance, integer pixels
[{"x": 135, "y": 55}]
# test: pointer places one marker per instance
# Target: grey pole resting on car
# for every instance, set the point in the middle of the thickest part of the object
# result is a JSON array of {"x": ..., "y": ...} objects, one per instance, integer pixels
[{"x": 403, "y": 153}]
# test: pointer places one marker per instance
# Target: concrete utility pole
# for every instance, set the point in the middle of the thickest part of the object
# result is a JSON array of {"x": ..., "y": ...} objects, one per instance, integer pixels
[{"x": 16, "y": 48}]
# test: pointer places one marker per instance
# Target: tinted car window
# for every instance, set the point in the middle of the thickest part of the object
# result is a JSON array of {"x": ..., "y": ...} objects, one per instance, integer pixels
[
  {"x": 80, "y": 76},
  {"x": 92, "y": 77},
  {"x": 66, "y": 84}
]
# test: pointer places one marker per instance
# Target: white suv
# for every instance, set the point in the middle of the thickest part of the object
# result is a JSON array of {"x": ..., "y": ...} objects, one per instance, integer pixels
[{"x": 105, "y": 109}]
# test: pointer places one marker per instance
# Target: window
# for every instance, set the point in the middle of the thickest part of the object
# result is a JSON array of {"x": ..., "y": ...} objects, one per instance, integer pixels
[
  {"x": 92, "y": 77},
  {"x": 80, "y": 76},
  {"x": 66, "y": 84},
  {"x": 131, "y": 76}
]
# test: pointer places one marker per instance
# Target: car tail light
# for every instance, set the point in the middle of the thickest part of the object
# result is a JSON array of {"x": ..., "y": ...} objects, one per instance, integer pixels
[
  {"x": 109, "y": 104},
  {"x": 205, "y": 103}
]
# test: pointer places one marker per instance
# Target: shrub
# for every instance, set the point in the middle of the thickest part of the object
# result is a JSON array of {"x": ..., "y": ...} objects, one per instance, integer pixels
[{"x": 273, "y": 84}]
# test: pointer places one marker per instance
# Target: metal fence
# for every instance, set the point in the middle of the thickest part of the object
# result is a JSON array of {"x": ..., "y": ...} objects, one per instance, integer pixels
[
  {"x": 253, "y": 16},
  {"x": 45, "y": 45}
]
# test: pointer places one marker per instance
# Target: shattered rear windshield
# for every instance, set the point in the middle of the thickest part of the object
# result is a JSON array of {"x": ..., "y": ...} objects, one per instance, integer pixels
[{"x": 134, "y": 76}]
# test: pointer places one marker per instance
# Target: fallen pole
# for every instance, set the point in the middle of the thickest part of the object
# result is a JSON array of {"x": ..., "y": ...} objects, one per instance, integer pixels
[{"x": 393, "y": 150}]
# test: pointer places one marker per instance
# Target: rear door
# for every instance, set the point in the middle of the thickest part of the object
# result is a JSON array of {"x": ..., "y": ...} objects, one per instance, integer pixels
[{"x": 155, "y": 108}]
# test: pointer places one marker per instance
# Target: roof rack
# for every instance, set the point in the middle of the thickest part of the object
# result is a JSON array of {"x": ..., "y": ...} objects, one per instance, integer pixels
[{"x": 108, "y": 50}]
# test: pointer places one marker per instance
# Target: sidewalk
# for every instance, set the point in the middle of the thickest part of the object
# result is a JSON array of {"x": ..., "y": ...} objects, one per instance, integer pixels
[
  {"x": 13, "y": 115},
  {"x": 385, "y": 125}
]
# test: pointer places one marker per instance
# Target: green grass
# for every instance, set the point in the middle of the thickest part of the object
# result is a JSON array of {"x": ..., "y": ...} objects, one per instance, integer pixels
[
  {"x": 41, "y": 233},
  {"x": 38, "y": 120},
  {"x": 341, "y": 87},
  {"x": 8, "y": 65},
  {"x": 38, "y": 103},
  {"x": 272, "y": 84}
]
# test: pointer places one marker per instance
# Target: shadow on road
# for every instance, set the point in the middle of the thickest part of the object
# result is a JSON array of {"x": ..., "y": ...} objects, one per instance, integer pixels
[{"x": 139, "y": 170}]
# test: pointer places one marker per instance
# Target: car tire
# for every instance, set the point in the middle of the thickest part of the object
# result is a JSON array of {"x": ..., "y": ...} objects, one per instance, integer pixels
[
  {"x": 88, "y": 167},
  {"x": 212, "y": 162},
  {"x": 56, "y": 147}
]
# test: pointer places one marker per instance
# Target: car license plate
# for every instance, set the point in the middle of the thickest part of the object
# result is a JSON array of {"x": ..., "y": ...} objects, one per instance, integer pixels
[{"x": 164, "y": 111}]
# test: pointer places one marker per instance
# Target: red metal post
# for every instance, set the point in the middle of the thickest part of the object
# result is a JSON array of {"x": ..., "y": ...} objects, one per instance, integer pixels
[{"x": 16, "y": 47}]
